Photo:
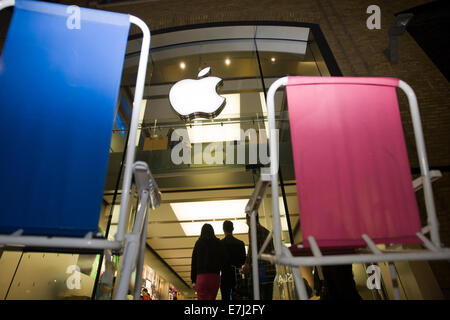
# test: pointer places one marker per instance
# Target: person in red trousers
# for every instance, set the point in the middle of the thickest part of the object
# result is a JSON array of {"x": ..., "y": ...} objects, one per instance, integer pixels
[{"x": 208, "y": 260}]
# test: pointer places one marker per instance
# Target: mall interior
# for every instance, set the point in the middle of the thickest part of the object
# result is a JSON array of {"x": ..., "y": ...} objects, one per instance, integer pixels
[{"x": 248, "y": 44}]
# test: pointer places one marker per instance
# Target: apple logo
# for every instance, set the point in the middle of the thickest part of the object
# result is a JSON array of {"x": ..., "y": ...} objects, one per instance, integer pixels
[{"x": 192, "y": 98}]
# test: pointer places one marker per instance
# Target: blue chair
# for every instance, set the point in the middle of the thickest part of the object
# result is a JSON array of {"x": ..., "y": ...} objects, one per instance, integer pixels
[{"x": 60, "y": 74}]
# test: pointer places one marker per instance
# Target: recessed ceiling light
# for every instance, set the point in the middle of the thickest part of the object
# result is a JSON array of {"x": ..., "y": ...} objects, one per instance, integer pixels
[
  {"x": 205, "y": 210},
  {"x": 227, "y": 61},
  {"x": 182, "y": 65},
  {"x": 194, "y": 228},
  {"x": 215, "y": 212}
]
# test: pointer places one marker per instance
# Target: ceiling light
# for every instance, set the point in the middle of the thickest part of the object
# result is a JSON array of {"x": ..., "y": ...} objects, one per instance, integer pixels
[
  {"x": 208, "y": 210},
  {"x": 194, "y": 228},
  {"x": 214, "y": 213}
]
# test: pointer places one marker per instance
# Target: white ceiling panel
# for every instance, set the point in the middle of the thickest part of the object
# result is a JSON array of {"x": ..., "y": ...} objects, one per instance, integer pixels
[
  {"x": 182, "y": 268},
  {"x": 165, "y": 230},
  {"x": 178, "y": 261},
  {"x": 171, "y": 243},
  {"x": 176, "y": 253}
]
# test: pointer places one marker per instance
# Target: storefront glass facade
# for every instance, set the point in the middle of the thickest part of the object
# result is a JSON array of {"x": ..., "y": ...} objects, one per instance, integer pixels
[{"x": 248, "y": 58}]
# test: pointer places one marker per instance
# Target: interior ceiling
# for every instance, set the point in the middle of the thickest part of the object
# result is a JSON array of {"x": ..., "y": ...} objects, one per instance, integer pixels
[{"x": 167, "y": 238}]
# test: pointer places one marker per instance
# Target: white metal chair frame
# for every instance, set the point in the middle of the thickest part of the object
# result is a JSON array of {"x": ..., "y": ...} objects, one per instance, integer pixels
[
  {"x": 132, "y": 244},
  {"x": 283, "y": 256}
]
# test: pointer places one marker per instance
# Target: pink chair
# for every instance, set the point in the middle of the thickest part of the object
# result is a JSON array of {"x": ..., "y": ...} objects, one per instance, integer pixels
[{"x": 354, "y": 183}]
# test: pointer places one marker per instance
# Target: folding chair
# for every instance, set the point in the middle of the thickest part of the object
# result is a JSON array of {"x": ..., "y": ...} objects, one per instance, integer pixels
[
  {"x": 354, "y": 183},
  {"x": 60, "y": 75}
]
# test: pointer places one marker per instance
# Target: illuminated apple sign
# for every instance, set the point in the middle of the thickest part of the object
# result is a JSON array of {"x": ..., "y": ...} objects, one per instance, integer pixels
[{"x": 191, "y": 98}]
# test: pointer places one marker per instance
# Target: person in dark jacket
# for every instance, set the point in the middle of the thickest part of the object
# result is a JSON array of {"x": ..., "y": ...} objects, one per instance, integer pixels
[
  {"x": 235, "y": 249},
  {"x": 208, "y": 260},
  {"x": 339, "y": 283}
]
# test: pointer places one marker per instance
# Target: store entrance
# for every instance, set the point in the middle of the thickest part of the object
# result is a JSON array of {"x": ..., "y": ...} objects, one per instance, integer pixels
[{"x": 207, "y": 168}]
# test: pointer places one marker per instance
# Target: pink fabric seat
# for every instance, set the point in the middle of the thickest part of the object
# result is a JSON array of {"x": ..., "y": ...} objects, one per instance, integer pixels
[{"x": 351, "y": 164}]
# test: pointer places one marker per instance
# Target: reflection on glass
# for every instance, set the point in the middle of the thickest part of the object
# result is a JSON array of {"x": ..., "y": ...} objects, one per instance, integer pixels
[
  {"x": 52, "y": 276},
  {"x": 248, "y": 61}
]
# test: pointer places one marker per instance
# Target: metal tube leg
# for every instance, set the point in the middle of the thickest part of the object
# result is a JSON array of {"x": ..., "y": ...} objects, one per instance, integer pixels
[
  {"x": 298, "y": 278},
  {"x": 255, "y": 273},
  {"x": 140, "y": 261},
  {"x": 299, "y": 283},
  {"x": 131, "y": 147},
  {"x": 6, "y": 3},
  {"x": 423, "y": 162},
  {"x": 274, "y": 166},
  {"x": 128, "y": 264},
  {"x": 394, "y": 279},
  {"x": 277, "y": 238},
  {"x": 131, "y": 250}
]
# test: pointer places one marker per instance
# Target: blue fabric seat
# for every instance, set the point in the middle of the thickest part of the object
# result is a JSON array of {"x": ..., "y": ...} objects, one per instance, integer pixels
[{"x": 59, "y": 85}]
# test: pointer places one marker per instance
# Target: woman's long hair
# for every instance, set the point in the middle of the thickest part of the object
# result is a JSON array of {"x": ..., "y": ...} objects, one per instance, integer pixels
[{"x": 207, "y": 232}]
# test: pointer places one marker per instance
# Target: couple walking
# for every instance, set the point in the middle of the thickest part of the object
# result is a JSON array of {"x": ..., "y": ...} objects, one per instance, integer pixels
[{"x": 212, "y": 256}]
